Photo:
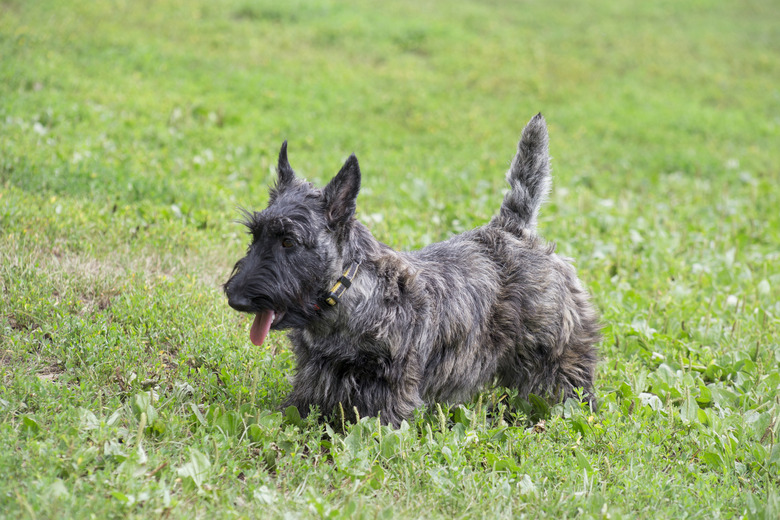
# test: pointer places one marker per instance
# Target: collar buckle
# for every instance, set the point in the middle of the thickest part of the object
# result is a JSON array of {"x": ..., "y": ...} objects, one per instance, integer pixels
[{"x": 344, "y": 282}]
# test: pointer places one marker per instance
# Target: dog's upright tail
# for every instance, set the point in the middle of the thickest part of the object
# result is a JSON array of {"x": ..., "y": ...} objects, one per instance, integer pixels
[{"x": 529, "y": 178}]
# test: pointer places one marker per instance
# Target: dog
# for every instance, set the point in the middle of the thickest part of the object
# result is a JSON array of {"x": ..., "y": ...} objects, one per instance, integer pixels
[{"x": 377, "y": 332}]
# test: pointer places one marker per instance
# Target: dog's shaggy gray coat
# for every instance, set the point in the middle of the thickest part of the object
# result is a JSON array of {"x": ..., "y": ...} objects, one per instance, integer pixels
[{"x": 494, "y": 305}]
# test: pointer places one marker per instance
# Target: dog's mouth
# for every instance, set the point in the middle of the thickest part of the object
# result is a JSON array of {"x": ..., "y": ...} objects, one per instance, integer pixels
[{"x": 264, "y": 320}]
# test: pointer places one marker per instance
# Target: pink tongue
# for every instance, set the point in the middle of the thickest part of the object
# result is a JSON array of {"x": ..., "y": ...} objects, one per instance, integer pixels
[{"x": 261, "y": 326}]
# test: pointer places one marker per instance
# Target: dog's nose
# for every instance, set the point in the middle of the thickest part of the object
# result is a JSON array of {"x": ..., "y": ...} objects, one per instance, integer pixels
[{"x": 240, "y": 302}]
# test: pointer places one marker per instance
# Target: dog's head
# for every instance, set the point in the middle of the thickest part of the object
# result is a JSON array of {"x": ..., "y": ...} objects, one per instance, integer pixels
[{"x": 297, "y": 249}]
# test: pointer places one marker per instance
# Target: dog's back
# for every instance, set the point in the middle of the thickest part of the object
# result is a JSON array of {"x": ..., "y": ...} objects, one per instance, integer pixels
[
  {"x": 501, "y": 305},
  {"x": 503, "y": 308}
]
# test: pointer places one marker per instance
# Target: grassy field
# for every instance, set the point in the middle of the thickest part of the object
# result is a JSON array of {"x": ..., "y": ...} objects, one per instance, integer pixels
[{"x": 130, "y": 133}]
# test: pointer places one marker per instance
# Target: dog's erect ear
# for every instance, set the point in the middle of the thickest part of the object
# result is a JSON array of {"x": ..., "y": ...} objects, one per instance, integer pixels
[
  {"x": 285, "y": 173},
  {"x": 342, "y": 191}
]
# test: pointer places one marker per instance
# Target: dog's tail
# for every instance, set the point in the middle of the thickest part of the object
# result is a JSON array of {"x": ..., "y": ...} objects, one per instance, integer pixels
[{"x": 529, "y": 177}]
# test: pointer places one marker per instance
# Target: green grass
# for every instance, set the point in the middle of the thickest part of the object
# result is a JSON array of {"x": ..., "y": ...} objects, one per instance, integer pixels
[{"x": 130, "y": 132}]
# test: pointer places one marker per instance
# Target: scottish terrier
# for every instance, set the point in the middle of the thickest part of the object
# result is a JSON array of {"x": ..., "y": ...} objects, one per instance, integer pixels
[{"x": 383, "y": 332}]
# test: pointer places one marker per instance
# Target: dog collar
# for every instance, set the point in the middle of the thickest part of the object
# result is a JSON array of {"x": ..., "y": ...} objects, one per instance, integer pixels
[{"x": 343, "y": 283}]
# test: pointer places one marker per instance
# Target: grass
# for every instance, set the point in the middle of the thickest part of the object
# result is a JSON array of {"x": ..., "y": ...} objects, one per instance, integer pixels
[{"x": 131, "y": 131}]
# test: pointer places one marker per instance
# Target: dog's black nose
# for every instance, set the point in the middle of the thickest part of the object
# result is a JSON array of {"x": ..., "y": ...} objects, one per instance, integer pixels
[{"x": 240, "y": 302}]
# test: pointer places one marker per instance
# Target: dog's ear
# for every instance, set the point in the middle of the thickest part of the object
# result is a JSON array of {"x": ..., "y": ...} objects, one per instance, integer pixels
[
  {"x": 342, "y": 191},
  {"x": 285, "y": 174}
]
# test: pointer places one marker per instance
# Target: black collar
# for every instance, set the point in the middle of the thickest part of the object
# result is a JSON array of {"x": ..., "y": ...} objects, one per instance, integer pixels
[{"x": 343, "y": 283}]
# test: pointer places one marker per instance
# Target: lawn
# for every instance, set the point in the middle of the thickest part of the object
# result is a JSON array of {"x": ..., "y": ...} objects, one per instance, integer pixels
[{"x": 132, "y": 132}]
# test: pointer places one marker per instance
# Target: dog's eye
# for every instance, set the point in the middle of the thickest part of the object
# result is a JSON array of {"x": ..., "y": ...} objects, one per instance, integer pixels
[{"x": 287, "y": 243}]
